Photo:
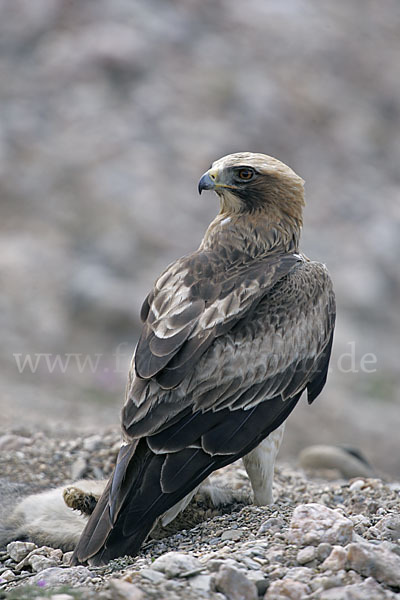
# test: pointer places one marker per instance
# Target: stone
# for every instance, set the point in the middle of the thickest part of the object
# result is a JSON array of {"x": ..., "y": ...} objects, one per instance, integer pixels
[
  {"x": 271, "y": 525},
  {"x": 303, "y": 574},
  {"x": 7, "y": 575},
  {"x": 287, "y": 589},
  {"x": 39, "y": 563},
  {"x": 10, "y": 441},
  {"x": 389, "y": 527},
  {"x": 323, "y": 550},
  {"x": 201, "y": 584},
  {"x": 367, "y": 590},
  {"x": 336, "y": 560},
  {"x": 123, "y": 590},
  {"x": 231, "y": 534},
  {"x": 374, "y": 561},
  {"x": 61, "y": 576},
  {"x": 92, "y": 443},
  {"x": 78, "y": 467},
  {"x": 67, "y": 557},
  {"x": 306, "y": 555},
  {"x": 314, "y": 523},
  {"x": 234, "y": 584},
  {"x": 152, "y": 575},
  {"x": 61, "y": 597},
  {"x": 19, "y": 550},
  {"x": 175, "y": 564}
]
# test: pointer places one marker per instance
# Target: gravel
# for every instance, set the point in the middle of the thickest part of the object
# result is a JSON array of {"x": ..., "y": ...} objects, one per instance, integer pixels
[{"x": 336, "y": 539}]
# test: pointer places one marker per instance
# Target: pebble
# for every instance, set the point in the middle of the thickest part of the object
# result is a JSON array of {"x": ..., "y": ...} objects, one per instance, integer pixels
[
  {"x": 39, "y": 563},
  {"x": 7, "y": 576},
  {"x": 314, "y": 523},
  {"x": 92, "y": 443},
  {"x": 287, "y": 588},
  {"x": 389, "y": 527},
  {"x": 271, "y": 525},
  {"x": 234, "y": 584},
  {"x": 123, "y": 590},
  {"x": 61, "y": 576},
  {"x": 323, "y": 550},
  {"x": 231, "y": 534},
  {"x": 19, "y": 550},
  {"x": 376, "y": 561},
  {"x": 201, "y": 583},
  {"x": 306, "y": 555},
  {"x": 175, "y": 564},
  {"x": 368, "y": 590},
  {"x": 78, "y": 467},
  {"x": 336, "y": 560},
  {"x": 152, "y": 575}
]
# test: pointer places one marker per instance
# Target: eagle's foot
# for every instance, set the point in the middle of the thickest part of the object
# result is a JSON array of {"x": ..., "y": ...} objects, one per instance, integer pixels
[{"x": 77, "y": 499}]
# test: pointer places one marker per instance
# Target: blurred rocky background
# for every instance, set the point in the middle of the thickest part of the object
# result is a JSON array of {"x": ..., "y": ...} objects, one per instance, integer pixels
[{"x": 111, "y": 111}]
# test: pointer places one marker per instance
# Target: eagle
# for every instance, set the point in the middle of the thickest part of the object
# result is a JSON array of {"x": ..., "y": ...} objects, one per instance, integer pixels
[{"x": 233, "y": 334}]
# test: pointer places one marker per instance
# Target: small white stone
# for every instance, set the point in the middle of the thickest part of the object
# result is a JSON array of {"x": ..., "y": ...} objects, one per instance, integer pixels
[
  {"x": 306, "y": 555},
  {"x": 39, "y": 563},
  {"x": 7, "y": 576},
  {"x": 152, "y": 575},
  {"x": 357, "y": 485},
  {"x": 176, "y": 563},
  {"x": 287, "y": 588},
  {"x": 336, "y": 560},
  {"x": 314, "y": 523},
  {"x": 18, "y": 550}
]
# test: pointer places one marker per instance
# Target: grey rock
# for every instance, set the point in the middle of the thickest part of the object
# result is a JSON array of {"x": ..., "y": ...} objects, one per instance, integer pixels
[
  {"x": 61, "y": 597},
  {"x": 389, "y": 527},
  {"x": 366, "y": 590},
  {"x": 323, "y": 550},
  {"x": 232, "y": 534},
  {"x": 19, "y": 550},
  {"x": 306, "y": 555},
  {"x": 174, "y": 564},
  {"x": 271, "y": 525},
  {"x": 39, "y": 563},
  {"x": 235, "y": 585},
  {"x": 61, "y": 576},
  {"x": 201, "y": 584},
  {"x": 314, "y": 523},
  {"x": 374, "y": 561},
  {"x": 152, "y": 575}
]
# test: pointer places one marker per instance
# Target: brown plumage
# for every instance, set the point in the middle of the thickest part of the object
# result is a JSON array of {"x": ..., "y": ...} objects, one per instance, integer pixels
[{"x": 232, "y": 336}]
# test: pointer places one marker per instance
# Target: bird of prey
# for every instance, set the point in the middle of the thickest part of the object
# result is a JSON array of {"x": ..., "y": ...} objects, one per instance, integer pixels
[{"x": 233, "y": 334}]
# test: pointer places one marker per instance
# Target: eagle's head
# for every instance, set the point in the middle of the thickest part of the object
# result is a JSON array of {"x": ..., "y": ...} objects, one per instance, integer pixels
[{"x": 247, "y": 183}]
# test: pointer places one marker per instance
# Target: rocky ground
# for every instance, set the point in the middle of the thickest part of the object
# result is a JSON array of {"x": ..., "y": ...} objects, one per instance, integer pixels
[{"x": 325, "y": 537}]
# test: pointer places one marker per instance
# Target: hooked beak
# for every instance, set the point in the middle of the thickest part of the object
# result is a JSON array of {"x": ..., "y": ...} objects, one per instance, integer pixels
[{"x": 206, "y": 183}]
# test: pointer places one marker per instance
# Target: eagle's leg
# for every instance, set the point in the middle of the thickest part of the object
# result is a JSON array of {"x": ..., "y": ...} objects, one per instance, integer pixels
[{"x": 259, "y": 464}]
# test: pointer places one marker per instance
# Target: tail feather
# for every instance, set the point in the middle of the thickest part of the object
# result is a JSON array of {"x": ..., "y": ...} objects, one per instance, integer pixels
[{"x": 146, "y": 484}]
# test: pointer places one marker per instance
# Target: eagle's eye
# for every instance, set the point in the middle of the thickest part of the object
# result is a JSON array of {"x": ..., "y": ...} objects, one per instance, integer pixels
[{"x": 245, "y": 174}]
